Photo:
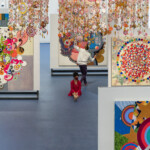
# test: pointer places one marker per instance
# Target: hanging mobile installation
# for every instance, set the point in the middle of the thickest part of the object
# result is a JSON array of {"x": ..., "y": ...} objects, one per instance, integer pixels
[
  {"x": 29, "y": 15},
  {"x": 128, "y": 15}
]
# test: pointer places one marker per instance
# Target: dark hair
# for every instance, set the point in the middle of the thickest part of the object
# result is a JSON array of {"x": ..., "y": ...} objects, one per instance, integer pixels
[
  {"x": 87, "y": 47},
  {"x": 75, "y": 74}
]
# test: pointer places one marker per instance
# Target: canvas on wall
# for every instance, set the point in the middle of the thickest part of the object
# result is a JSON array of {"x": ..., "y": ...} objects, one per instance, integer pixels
[
  {"x": 130, "y": 64},
  {"x": 16, "y": 60},
  {"x": 132, "y": 125},
  {"x": 70, "y": 59}
]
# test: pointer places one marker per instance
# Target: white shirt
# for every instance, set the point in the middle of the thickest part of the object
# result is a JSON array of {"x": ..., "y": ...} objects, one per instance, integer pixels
[{"x": 84, "y": 56}]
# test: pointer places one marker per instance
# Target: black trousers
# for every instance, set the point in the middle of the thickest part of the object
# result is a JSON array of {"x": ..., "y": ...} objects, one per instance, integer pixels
[{"x": 83, "y": 69}]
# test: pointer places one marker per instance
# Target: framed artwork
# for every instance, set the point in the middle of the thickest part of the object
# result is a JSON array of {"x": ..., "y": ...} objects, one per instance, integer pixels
[
  {"x": 130, "y": 64},
  {"x": 132, "y": 125}
]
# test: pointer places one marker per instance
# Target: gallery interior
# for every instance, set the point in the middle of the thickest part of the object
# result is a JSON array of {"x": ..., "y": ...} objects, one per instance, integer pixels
[{"x": 74, "y": 75}]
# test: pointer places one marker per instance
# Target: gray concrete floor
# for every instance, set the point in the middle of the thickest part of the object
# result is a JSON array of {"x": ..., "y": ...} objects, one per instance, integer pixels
[{"x": 54, "y": 122}]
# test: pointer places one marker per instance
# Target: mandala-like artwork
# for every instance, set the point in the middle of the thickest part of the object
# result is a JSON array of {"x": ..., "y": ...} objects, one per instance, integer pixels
[
  {"x": 132, "y": 125},
  {"x": 130, "y": 61},
  {"x": 127, "y": 115}
]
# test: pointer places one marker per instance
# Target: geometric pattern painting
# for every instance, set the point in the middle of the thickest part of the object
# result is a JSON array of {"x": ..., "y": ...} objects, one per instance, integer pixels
[
  {"x": 132, "y": 125},
  {"x": 130, "y": 61}
]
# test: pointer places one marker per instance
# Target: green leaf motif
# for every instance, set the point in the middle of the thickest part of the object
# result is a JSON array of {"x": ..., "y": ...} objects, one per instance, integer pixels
[{"x": 119, "y": 141}]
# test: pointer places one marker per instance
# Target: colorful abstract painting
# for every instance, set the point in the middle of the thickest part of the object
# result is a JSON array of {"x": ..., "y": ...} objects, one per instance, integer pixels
[
  {"x": 14, "y": 59},
  {"x": 96, "y": 47},
  {"x": 132, "y": 125},
  {"x": 130, "y": 61},
  {"x": 4, "y": 20}
]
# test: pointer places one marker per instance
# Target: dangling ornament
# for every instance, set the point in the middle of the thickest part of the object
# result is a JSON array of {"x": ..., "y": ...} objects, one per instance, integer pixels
[{"x": 29, "y": 15}]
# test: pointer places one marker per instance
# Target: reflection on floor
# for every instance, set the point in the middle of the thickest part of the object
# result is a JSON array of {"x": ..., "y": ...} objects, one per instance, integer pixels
[{"x": 55, "y": 122}]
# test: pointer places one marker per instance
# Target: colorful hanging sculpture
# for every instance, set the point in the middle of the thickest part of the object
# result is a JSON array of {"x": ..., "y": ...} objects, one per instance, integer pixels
[
  {"x": 81, "y": 22},
  {"x": 29, "y": 15},
  {"x": 127, "y": 15},
  {"x": 80, "y": 18}
]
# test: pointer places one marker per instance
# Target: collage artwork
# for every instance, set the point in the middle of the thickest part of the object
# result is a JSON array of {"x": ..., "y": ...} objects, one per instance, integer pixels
[
  {"x": 130, "y": 61},
  {"x": 16, "y": 59},
  {"x": 132, "y": 125}
]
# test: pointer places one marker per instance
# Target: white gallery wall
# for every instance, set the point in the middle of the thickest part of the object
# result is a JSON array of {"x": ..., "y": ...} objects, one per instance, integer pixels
[{"x": 53, "y": 9}]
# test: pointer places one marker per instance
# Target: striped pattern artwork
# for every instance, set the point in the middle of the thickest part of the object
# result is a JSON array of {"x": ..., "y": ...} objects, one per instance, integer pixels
[{"x": 4, "y": 20}]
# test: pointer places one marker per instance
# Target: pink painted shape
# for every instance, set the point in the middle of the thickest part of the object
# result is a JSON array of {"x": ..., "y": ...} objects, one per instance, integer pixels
[
  {"x": 8, "y": 77},
  {"x": 74, "y": 51},
  {"x": 24, "y": 37},
  {"x": 6, "y": 68},
  {"x": 74, "y": 56}
]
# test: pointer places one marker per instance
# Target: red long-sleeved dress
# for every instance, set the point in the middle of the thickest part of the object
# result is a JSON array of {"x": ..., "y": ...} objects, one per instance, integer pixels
[{"x": 75, "y": 88}]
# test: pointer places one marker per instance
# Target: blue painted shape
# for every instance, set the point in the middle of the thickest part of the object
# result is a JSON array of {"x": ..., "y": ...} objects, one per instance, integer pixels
[
  {"x": 120, "y": 127},
  {"x": 127, "y": 115},
  {"x": 96, "y": 40}
]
